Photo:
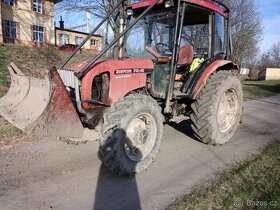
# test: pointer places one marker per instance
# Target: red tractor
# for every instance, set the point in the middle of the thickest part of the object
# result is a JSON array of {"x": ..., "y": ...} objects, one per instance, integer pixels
[{"x": 173, "y": 64}]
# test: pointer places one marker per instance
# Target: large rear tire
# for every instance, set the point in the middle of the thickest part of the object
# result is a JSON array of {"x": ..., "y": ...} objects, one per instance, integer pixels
[
  {"x": 131, "y": 134},
  {"x": 217, "y": 111}
]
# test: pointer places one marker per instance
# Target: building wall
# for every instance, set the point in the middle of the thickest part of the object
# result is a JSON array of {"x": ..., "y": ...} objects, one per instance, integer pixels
[
  {"x": 72, "y": 39},
  {"x": 272, "y": 73},
  {"x": 22, "y": 13},
  {"x": 244, "y": 71}
]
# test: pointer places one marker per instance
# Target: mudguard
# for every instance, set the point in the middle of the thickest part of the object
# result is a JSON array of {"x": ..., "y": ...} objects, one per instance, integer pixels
[{"x": 218, "y": 64}]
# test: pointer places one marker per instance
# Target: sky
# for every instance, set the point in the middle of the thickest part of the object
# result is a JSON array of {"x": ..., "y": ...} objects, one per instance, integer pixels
[
  {"x": 270, "y": 13},
  {"x": 269, "y": 10}
]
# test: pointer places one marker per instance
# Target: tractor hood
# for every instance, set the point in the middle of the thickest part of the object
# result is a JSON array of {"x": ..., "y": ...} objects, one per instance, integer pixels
[
  {"x": 116, "y": 64},
  {"x": 125, "y": 76}
]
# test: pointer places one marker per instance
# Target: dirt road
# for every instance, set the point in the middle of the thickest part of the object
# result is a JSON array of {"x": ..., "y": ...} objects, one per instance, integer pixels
[{"x": 52, "y": 175}]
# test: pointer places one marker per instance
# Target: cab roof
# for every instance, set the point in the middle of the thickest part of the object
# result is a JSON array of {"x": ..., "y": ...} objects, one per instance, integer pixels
[{"x": 212, "y": 5}]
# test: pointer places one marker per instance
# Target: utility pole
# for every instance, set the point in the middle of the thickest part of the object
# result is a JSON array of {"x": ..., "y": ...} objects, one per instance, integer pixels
[{"x": 88, "y": 22}]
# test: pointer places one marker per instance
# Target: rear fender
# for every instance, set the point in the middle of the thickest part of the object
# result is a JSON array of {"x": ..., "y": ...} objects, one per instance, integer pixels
[{"x": 204, "y": 75}]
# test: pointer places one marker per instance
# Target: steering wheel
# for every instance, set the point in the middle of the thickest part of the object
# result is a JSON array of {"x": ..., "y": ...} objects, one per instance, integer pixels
[{"x": 162, "y": 48}]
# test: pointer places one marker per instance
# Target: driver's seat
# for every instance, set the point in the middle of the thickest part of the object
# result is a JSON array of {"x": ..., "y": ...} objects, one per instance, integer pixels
[
  {"x": 185, "y": 59},
  {"x": 185, "y": 56}
]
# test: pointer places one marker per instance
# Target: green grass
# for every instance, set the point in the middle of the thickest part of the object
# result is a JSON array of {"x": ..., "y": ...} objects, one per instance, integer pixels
[
  {"x": 251, "y": 184},
  {"x": 260, "y": 89},
  {"x": 3, "y": 62},
  {"x": 10, "y": 135},
  {"x": 9, "y": 131}
]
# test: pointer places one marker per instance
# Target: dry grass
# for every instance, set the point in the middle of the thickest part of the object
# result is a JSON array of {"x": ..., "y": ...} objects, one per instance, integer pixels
[{"x": 33, "y": 61}]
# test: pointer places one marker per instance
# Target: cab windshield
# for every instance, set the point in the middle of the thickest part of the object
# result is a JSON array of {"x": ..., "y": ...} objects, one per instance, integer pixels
[{"x": 155, "y": 30}]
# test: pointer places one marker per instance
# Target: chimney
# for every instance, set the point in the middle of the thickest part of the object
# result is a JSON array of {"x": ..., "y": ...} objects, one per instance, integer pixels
[{"x": 61, "y": 23}]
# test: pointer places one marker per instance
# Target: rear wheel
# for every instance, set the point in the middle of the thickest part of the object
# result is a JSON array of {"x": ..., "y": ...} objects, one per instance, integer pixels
[
  {"x": 131, "y": 134},
  {"x": 217, "y": 111}
]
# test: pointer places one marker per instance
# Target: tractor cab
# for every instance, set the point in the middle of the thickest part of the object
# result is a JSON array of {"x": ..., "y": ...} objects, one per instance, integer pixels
[{"x": 180, "y": 37}]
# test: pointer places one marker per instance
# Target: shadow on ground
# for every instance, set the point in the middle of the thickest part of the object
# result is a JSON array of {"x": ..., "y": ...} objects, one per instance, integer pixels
[
  {"x": 114, "y": 192},
  {"x": 185, "y": 128}
]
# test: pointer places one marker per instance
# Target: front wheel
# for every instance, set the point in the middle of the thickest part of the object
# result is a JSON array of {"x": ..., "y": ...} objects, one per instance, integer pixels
[
  {"x": 131, "y": 134},
  {"x": 217, "y": 111}
]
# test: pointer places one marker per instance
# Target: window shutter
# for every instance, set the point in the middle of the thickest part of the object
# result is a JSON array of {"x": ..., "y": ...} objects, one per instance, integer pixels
[
  {"x": 45, "y": 34},
  {"x": 3, "y": 29},
  {"x": 43, "y": 7},
  {"x": 18, "y": 31},
  {"x": 32, "y": 36}
]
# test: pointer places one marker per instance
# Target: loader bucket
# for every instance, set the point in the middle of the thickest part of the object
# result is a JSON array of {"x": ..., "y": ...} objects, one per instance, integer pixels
[{"x": 40, "y": 106}]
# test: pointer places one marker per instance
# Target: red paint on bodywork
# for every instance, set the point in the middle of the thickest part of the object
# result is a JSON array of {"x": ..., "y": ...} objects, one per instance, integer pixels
[
  {"x": 142, "y": 4},
  {"x": 201, "y": 3},
  {"x": 209, "y": 70},
  {"x": 120, "y": 84},
  {"x": 208, "y": 5},
  {"x": 59, "y": 117}
]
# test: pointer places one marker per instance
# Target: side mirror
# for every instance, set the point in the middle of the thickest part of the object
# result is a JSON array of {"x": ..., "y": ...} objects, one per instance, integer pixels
[{"x": 129, "y": 12}]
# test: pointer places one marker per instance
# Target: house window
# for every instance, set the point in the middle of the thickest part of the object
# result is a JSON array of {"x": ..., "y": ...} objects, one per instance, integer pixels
[
  {"x": 9, "y": 2},
  {"x": 64, "y": 39},
  {"x": 38, "y": 33},
  {"x": 10, "y": 28},
  {"x": 37, "y": 6},
  {"x": 93, "y": 42},
  {"x": 79, "y": 40}
]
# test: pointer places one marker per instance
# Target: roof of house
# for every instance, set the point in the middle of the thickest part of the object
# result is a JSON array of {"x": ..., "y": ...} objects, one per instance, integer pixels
[{"x": 79, "y": 32}]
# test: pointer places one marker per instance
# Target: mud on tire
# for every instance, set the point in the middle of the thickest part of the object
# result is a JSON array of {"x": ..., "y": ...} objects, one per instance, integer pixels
[
  {"x": 131, "y": 134},
  {"x": 217, "y": 111}
]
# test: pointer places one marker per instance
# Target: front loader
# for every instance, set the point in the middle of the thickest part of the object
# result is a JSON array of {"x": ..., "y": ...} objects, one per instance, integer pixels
[{"x": 173, "y": 64}]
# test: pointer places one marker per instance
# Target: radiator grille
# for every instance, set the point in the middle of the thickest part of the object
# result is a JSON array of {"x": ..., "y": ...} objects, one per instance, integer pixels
[{"x": 68, "y": 77}]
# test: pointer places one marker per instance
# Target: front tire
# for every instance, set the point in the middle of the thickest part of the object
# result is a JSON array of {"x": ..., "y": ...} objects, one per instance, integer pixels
[
  {"x": 131, "y": 134},
  {"x": 217, "y": 111}
]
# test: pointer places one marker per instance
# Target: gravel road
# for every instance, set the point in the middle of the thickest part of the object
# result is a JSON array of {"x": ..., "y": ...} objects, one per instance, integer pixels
[{"x": 49, "y": 174}]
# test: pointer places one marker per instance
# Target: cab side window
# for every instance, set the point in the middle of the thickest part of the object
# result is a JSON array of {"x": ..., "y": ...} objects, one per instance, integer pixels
[{"x": 219, "y": 38}]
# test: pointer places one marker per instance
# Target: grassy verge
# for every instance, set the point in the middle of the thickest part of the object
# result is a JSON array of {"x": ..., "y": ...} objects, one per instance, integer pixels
[
  {"x": 33, "y": 61},
  {"x": 252, "y": 184},
  {"x": 260, "y": 89}
]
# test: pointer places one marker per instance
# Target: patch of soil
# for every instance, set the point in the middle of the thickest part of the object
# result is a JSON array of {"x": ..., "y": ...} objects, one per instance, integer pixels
[{"x": 3, "y": 90}]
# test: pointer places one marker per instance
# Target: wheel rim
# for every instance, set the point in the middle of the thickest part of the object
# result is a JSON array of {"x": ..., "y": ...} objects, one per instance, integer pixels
[
  {"x": 141, "y": 135},
  {"x": 227, "y": 110}
]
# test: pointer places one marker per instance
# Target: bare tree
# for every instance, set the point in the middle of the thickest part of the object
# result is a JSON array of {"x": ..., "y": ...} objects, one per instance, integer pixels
[
  {"x": 271, "y": 58},
  {"x": 98, "y": 8},
  {"x": 246, "y": 28},
  {"x": 275, "y": 54}
]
